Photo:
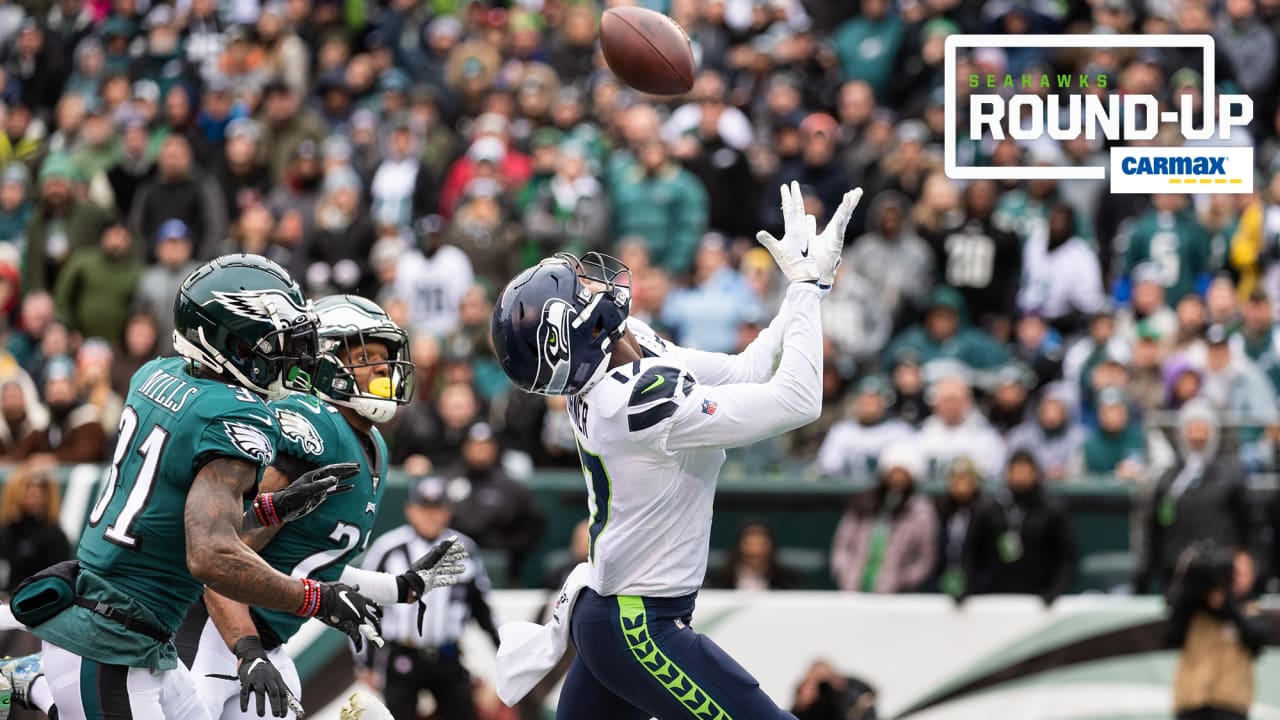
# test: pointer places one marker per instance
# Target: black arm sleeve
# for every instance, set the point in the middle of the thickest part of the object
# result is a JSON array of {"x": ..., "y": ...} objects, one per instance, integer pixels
[{"x": 481, "y": 611}]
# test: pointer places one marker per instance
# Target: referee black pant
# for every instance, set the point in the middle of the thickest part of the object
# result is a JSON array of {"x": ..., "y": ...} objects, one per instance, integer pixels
[{"x": 410, "y": 671}]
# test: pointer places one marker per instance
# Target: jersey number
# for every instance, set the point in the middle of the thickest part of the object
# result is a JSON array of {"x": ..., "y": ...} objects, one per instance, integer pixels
[
  {"x": 345, "y": 534},
  {"x": 143, "y": 483},
  {"x": 599, "y": 495},
  {"x": 970, "y": 260}
]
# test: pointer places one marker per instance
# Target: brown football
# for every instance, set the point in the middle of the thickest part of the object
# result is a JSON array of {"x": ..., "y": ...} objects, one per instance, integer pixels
[{"x": 647, "y": 50}]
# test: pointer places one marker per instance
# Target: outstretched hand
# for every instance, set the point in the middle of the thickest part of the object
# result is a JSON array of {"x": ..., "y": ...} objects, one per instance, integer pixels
[
  {"x": 830, "y": 243},
  {"x": 804, "y": 254}
]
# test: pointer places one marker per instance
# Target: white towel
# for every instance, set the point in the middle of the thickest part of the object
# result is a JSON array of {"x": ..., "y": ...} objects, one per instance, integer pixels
[{"x": 527, "y": 651}]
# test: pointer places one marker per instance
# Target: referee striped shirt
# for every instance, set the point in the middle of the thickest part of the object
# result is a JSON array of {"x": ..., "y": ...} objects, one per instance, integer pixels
[{"x": 448, "y": 608}]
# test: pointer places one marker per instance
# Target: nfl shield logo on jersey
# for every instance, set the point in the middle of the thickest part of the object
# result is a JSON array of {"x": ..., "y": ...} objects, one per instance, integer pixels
[{"x": 709, "y": 407}]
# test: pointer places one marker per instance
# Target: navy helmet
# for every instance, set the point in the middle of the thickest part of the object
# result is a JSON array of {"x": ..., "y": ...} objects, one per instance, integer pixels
[{"x": 555, "y": 323}]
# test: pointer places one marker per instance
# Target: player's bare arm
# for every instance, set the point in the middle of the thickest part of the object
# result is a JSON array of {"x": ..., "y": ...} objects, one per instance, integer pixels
[{"x": 215, "y": 553}]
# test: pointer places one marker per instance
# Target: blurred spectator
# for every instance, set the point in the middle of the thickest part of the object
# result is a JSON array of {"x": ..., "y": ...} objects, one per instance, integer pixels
[
  {"x": 1170, "y": 236},
  {"x": 853, "y": 445},
  {"x": 139, "y": 344},
  {"x": 569, "y": 212},
  {"x": 867, "y": 45},
  {"x": 285, "y": 124},
  {"x": 37, "y": 63},
  {"x": 183, "y": 192},
  {"x": 435, "y": 432},
  {"x": 709, "y": 315},
  {"x": 469, "y": 340},
  {"x": 338, "y": 257},
  {"x": 946, "y": 334},
  {"x": 656, "y": 199},
  {"x": 159, "y": 283},
  {"x": 1061, "y": 279},
  {"x": 710, "y": 137},
  {"x": 15, "y": 204},
  {"x": 97, "y": 284},
  {"x": 74, "y": 434},
  {"x": 1146, "y": 382},
  {"x": 243, "y": 179},
  {"x": 30, "y": 538},
  {"x": 909, "y": 404},
  {"x": 1117, "y": 446},
  {"x": 1202, "y": 498},
  {"x": 402, "y": 188},
  {"x": 496, "y": 511},
  {"x": 1147, "y": 311},
  {"x": 1101, "y": 342},
  {"x": 21, "y": 413},
  {"x": 956, "y": 509},
  {"x": 490, "y": 143},
  {"x": 61, "y": 223},
  {"x": 485, "y": 227},
  {"x": 980, "y": 259},
  {"x": 886, "y": 541},
  {"x": 1038, "y": 348},
  {"x": 956, "y": 428},
  {"x": 1008, "y": 400},
  {"x": 1052, "y": 437},
  {"x": 1235, "y": 386},
  {"x": 134, "y": 165},
  {"x": 1021, "y": 542},
  {"x": 432, "y": 278},
  {"x": 34, "y": 318},
  {"x": 1215, "y": 622},
  {"x": 893, "y": 258},
  {"x": 753, "y": 563},
  {"x": 1250, "y": 45},
  {"x": 93, "y": 377},
  {"x": 824, "y": 694}
]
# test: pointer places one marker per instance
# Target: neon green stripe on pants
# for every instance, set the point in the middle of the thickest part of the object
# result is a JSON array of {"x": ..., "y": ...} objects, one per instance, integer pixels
[{"x": 635, "y": 628}]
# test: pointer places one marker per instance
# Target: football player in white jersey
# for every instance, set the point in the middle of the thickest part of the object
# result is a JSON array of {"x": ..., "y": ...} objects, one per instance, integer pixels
[{"x": 652, "y": 422}]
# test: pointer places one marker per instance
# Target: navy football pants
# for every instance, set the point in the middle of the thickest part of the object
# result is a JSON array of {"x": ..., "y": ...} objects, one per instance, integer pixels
[{"x": 639, "y": 659}]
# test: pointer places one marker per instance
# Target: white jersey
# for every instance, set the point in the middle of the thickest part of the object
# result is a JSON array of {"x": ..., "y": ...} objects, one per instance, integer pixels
[
  {"x": 433, "y": 288},
  {"x": 652, "y": 436}
]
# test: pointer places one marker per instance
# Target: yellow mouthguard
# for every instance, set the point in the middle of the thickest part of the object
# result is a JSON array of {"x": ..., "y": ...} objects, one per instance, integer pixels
[{"x": 380, "y": 387}]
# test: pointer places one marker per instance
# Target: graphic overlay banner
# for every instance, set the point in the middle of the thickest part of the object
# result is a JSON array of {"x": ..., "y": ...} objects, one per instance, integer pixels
[{"x": 1153, "y": 148}]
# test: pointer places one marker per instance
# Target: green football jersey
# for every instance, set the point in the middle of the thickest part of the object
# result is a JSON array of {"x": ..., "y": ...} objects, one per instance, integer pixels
[
  {"x": 173, "y": 423},
  {"x": 321, "y": 544}
]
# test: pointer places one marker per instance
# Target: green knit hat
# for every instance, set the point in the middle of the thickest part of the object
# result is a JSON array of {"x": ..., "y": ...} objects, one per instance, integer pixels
[{"x": 57, "y": 165}]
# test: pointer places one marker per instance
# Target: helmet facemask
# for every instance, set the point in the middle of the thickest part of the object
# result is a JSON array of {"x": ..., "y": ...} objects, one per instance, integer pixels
[
  {"x": 380, "y": 356},
  {"x": 597, "y": 315}
]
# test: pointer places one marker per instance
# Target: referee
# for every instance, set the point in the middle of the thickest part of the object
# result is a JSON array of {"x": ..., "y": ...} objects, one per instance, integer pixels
[{"x": 414, "y": 660}]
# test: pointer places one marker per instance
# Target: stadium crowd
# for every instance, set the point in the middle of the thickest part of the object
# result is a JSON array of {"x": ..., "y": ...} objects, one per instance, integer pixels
[{"x": 1013, "y": 334}]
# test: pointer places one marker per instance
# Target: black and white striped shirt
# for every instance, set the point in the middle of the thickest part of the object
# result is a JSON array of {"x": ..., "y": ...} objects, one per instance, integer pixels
[{"x": 448, "y": 608}]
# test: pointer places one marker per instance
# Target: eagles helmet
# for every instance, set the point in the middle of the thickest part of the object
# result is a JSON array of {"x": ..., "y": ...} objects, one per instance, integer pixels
[
  {"x": 555, "y": 323},
  {"x": 347, "y": 324},
  {"x": 243, "y": 317}
]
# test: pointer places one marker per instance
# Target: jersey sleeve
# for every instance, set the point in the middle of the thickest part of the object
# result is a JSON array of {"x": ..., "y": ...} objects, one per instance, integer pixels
[
  {"x": 752, "y": 365},
  {"x": 703, "y": 416},
  {"x": 302, "y": 425},
  {"x": 249, "y": 435}
]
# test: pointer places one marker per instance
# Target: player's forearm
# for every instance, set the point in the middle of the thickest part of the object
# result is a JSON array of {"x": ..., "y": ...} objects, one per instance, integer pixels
[
  {"x": 215, "y": 554},
  {"x": 231, "y": 618},
  {"x": 753, "y": 365},
  {"x": 799, "y": 374}
]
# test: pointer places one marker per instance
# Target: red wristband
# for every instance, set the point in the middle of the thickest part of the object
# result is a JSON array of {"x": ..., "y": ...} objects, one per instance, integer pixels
[
  {"x": 264, "y": 507},
  {"x": 310, "y": 598}
]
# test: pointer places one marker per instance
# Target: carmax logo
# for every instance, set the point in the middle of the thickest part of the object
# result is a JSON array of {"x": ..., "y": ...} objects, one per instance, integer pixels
[{"x": 1064, "y": 107}]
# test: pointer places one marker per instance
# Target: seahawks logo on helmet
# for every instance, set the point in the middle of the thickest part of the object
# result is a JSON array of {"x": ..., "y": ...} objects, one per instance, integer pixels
[
  {"x": 257, "y": 304},
  {"x": 251, "y": 441},
  {"x": 297, "y": 428},
  {"x": 553, "y": 343}
]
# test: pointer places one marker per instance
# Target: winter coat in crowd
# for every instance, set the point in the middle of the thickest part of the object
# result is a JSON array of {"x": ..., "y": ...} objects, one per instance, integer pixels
[
  {"x": 1021, "y": 543},
  {"x": 971, "y": 346}
]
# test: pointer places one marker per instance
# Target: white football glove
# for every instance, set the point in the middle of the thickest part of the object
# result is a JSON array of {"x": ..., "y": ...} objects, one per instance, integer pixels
[
  {"x": 830, "y": 243},
  {"x": 794, "y": 252}
]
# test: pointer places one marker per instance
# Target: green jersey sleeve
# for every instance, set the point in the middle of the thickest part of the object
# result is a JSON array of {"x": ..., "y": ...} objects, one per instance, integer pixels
[{"x": 244, "y": 436}]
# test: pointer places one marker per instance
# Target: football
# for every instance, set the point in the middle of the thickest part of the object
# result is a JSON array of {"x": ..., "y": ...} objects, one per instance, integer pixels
[{"x": 647, "y": 50}]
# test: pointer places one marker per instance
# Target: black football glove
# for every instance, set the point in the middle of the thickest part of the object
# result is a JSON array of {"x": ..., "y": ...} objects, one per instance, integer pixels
[
  {"x": 259, "y": 676},
  {"x": 343, "y": 607},
  {"x": 301, "y": 497}
]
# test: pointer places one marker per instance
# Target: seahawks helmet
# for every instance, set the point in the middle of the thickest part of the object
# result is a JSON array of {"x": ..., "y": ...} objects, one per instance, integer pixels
[
  {"x": 555, "y": 323},
  {"x": 347, "y": 324},
  {"x": 243, "y": 317}
]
